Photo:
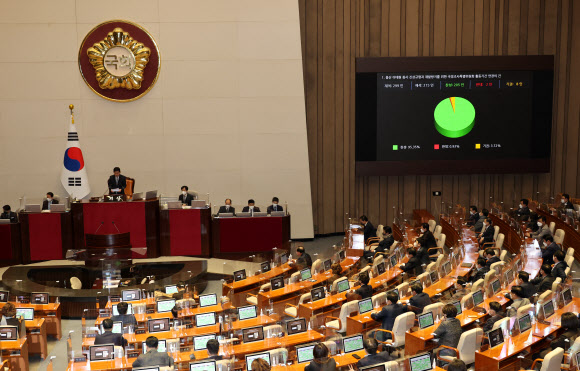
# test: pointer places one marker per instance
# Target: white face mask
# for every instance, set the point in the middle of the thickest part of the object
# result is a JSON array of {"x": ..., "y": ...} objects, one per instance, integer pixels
[
  {"x": 563, "y": 201},
  {"x": 274, "y": 204},
  {"x": 539, "y": 224},
  {"x": 422, "y": 230},
  {"x": 251, "y": 207},
  {"x": 184, "y": 193},
  {"x": 49, "y": 199},
  {"x": 521, "y": 206},
  {"x": 545, "y": 244},
  {"x": 472, "y": 212},
  {"x": 485, "y": 224}
]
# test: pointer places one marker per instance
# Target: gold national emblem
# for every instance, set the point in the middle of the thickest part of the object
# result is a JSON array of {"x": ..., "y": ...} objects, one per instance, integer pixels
[{"x": 119, "y": 60}]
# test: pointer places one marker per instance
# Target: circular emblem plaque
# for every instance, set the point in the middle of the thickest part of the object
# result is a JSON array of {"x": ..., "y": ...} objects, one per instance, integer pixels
[{"x": 119, "y": 61}]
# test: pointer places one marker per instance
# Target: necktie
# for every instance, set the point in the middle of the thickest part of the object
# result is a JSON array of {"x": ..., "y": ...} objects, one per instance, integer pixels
[
  {"x": 227, "y": 208},
  {"x": 117, "y": 179},
  {"x": 275, "y": 208}
]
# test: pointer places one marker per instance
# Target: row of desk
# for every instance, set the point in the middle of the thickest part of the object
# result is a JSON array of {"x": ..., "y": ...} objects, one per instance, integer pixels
[{"x": 180, "y": 232}]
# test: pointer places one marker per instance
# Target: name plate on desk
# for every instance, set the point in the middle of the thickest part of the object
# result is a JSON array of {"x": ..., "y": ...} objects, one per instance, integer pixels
[
  {"x": 132, "y": 355},
  {"x": 115, "y": 299},
  {"x": 189, "y": 326},
  {"x": 114, "y": 198},
  {"x": 14, "y": 352},
  {"x": 80, "y": 359},
  {"x": 138, "y": 332},
  {"x": 91, "y": 335},
  {"x": 51, "y": 314}
]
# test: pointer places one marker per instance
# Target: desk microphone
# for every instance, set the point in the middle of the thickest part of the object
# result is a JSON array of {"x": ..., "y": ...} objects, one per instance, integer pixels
[
  {"x": 99, "y": 227},
  {"x": 116, "y": 227}
]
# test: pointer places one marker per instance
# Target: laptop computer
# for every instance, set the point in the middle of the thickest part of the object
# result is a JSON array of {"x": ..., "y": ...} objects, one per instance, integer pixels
[
  {"x": 525, "y": 322},
  {"x": 8, "y": 333},
  {"x": 158, "y": 325},
  {"x": 56, "y": 208},
  {"x": 171, "y": 289},
  {"x": 172, "y": 205},
  {"x": 32, "y": 208},
  {"x": 343, "y": 285},
  {"x": 251, "y": 357},
  {"x": 4, "y": 296},
  {"x": 39, "y": 298},
  {"x": 244, "y": 214},
  {"x": 457, "y": 305},
  {"x": 247, "y": 312},
  {"x": 567, "y": 296},
  {"x": 239, "y": 275},
  {"x": 277, "y": 213},
  {"x": 379, "y": 367},
  {"x": 164, "y": 306},
  {"x": 202, "y": 366},
  {"x": 305, "y": 274},
  {"x": 352, "y": 343},
  {"x": 265, "y": 267},
  {"x": 27, "y": 314},
  {"x": 296, "y": 326},
  {"x": 495, "y": 337},
  {"x": 260, "y": 214},
  {"x": 249, "y": 335},
  {"x": 305, "y": 353},
  {"x": 200, "y": 342},
  {"x": 381, "y": 268},
  {"x": 317, "y": 293},
  {"x": 365, "y": 305},
  {"x": 150, "y": 195},
  {"x": 327, "y": 264},
  {"x": 277, "y": 283},
  {"x": 207, "y": 300},
  {"x": 425, "y": 320},
  {"x": 421, "y": 362},
  {"x": 205, "y": 319},
  {"x": 225, "y": 215},
  {"x": 103, "y": 352},
  {"x": 198, "y": 204},
  {"x": 139, "y": 197}
]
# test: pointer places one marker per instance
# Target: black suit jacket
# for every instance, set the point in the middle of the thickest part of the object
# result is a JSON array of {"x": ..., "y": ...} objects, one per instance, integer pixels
[
  {"x": 479, "y": 275},
  {"x": 559, "y": 270},
  {"x": 488, "y": 325},
  {"x": 493, "y": 259},
  {"x": 388, "y": 314},
  {"x": 529, "y": 289},
  {"x": 45, "y": 204},
  {"x": 330, "y": 365},
  {"x": 365, "y": 291},
  {"x": 423, "y": 255},
  {"x": 385, "y": 244},
  {"x": 413, "y": 266},
  {"x": 369, "y": 231},
  {"x": 548, "y": 253},
  {"x": 523, "y": 211},
  {"x": 488, "y": 234},
  {"x": 187, "y": 200},
  {"x": 374, "y": 359},
  {"x": 246, "y": 209},
  {"x": 543, "y": 283},
  {"x": 427, "y": 240},
  {"x": 420, "y": 300},
  {"x": 568, "y": 205},
  {"x": 108, "y": 337},
  {"x": 223, "y": 209},
  {"x": 271, "y": 208},
  {"x": 114, "y": 184},
  {"x": 12, "y": 216}
]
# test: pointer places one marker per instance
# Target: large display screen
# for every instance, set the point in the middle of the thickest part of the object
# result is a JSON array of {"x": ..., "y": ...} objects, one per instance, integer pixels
[{"x": 453, "y": 115}]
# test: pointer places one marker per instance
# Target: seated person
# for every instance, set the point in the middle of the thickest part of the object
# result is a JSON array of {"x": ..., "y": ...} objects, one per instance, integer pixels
[
  {"x": 128, "y": 282},
  {"x": 366, "y": 290},
  {"x": 369, "y": 230},
  {"x": 117, "y": 182},
  {"x": 491, "y": 257},
  {"x": 383, "y": 246},
  {"x": 50, "y": 200},
  {"x": 523, "y": 212},
  {"x": 185, "y": 197},
  {"x": 372, "y": 357},
  {"x": 460, "y": 289},
  {"x": 160, "y": 293},
  {"x": 479, "y": 224},
  {"x": 543, "y": 230},
  {"x": 487, "y": 232},
  {"x": 495, "y": 314},
  {"x": 413, "y": 266},
  {"x": 227, "y": 208},
  {"x": 523, "y": 281},
  {"x": 9, "y": 316},
  {"x": 251, "y": 208},
  {"x": 127, "y": 319},
  {"x": 473, "y": 216},
  {"x": 457, "y": 365},
  {"x": 449, "y": 330},
  {"x": 153, "y": 357},
  {"x": 260, "y": 364},
  {"x": 304, "y": 260},
  {"x": 336, "y": 269},
  {"x": 570, "y": 324},
  {"x": 274, "y": 206},
  {"x": 517, "y": 295},
  {"x": 549, "y": 247},
  {"x": 426, "y": 241},
  {"x": 419, "y": 299},
  {"x": 108, "y": 337},
  {"x": 388, "y": 314},
  {"x": 9, "y": 214},
  {"x": 213, "y": 349},
  {"x": 544, "y": 280},
  {"x": 481, "y": 271},
  {"x": 322, "y": 361},
  {"x": 566, "y": 204},
  {"x": 559, "y": 268}
]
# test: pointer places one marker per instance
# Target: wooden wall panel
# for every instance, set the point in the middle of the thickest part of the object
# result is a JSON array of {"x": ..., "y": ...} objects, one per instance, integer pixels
[{"x": 335, "y": 32}]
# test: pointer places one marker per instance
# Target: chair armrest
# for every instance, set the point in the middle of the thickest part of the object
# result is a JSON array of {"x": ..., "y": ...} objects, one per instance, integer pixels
[
  {"x": 435, "y": 248},
  {"x": 290, "y": 305},
  {"x": 535, "y": 361},
  {"x": 441, "y": 347},
  {"x": 372, "y": 239},
  {"x": 248, "y": 295},
  {"x": 387, "y": 331},
  {"x": 326, "y": 320},
  {"x": 378, "y": 253}
]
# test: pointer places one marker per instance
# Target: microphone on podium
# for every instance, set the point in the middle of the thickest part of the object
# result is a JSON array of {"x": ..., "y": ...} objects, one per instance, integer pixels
[
  {"x": 116, "y": 227},
  {"x": 99, "y": 227}
]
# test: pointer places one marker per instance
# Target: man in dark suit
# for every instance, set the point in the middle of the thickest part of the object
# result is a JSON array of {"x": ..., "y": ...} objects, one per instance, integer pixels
[
  {"x": 117, "y": 182},
  {"x": 108, "y": 337},
  {"x": 389, "y": 312},
  {"x": 545, "y": 280},
  {"x": 419, "y": 299},
  {"x": 566, "y": 204},
  {"x": 482, "y": 269},
  {"x": 369, "y": 229},
  {"x": 274, "y": 206},
  {"x": 251, "y": 208},
  {"x": 491, "y": 257},
  {"x": 186, "y": 197},
  {"x": 549, "y": 248},
  {"x": 213, "y": 349},
  {"x": 384, "y": 245},
  {"x": 524, "y": 211},
  {"x": 495, "y": 314},
  {"x": 487, "y": 232},
  {"x": 127, "y": 319},
  {"x": 372, "y": 357},
  {"x": 559, "y": 268},
  {"x": 365, "y": 291},
  {"x": 50, "y": 200},
  {"x": 413, "y": 266},
  {"x": 473, "y": 216},
  {"x": 479, "y": 224},
  {"x": 524, "y": 282},
  {"x": 227, "y": 208},
  {"x": 304, "y": 260},
  {"x": 426, "y": 239},
  {"x": 9, "y": 214},
  {"x": 153, "y": 357}
]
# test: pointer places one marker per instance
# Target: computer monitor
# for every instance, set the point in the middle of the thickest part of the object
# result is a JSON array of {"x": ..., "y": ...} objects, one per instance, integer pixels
[
  {"x": 393, "y": 260},
  {"x": 305, "y": 274},
  {"x": 147, "y": 368},
  {"x": 305, "y": 353},
  {"x": 327, "y": 264},
  {"x": 577, "y": 359},
  {"x": 284, "y": 258},
  {"x": 4, "y": 296},
  {"x": 247, "y": 312},
  {"x": 457, "y": 305},
  {"x": 495, "y": 286},
  {"x": 205, "y": 319},
  {"x": 548, "y": 308},
  {"x": 277, "y": 283},
  {"x": 525, "y": 322},
  {"x": 477, "y": 297},
  {"x": 8, "y": 333},
  {"x": 379, "y": 367},
  {"x": 421, "y": 362},
  {"x": 495, "y": 337},
  {"x": 265, "y": 267},
  {"x": 129, "y": 309},
  {"x": 39, "y": 298},
  {"x": 164, "y": 306},
  {"x": 171, "y": 289},
  {"x": 342, "y": 255},
  {"x": 150, "y": 195},
  {"x": 239, "y": 275},
  {"x": 103, "y": 352},
  {"x": 508, "y": 276},
  {"x": 352, "y": 343},
  {"x": 202, "y": 366},
  {"x": 381, "y": 268},
  {"x": 161, "y": 346},
  {"x": 434, "y": 277},
  {"x": 249, "y": 335},
  {"x": 117, "y": 327},
  {"x": 251, "y": 357},
  {"x": 343, "y": 285},
  {"x": 296, "y": 326},
  {"x": 567, "y": 296},
  {"x": 131, "y": 295},
  {"x": 26, "y": 314},
  {"x": 447, "y": 268},
  {"x": 158, "y": 325},
  {"x": 200, "y": 342},
  {"x": 425, "y": 320},
  {"x": 317, "y": 293},
  {"x": 207, "y": 300},
  {"x": 365, "y": 305}
]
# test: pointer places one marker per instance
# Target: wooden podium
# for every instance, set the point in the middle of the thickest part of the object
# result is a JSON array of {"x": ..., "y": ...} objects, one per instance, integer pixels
[
  {"x": 99, "y": 241},
  {"x": 106, "y": 247}
]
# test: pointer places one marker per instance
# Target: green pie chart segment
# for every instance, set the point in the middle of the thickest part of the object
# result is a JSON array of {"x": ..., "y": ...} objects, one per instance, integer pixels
[{"x": 454, "y": 117}]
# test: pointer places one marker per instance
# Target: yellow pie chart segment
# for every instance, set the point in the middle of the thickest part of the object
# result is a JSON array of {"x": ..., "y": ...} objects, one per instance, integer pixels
[{"x": 454, "y": 117}]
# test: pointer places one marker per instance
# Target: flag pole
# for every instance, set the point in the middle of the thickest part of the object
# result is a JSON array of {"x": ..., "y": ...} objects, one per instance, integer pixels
[{"x": 72, "y": 117}]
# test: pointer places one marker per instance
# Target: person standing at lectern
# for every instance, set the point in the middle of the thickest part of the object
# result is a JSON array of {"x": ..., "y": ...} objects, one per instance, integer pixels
[
  {"x": 8, "y": 214},
  {"x": 274, "y": 206},
  {"x": 185, "y": 197},
  {"x": 50, "y": 200},
  {"x": 117, "y": 182},
  {"x": 251, "y": 208},
  {"x": 227, "y": 208}
]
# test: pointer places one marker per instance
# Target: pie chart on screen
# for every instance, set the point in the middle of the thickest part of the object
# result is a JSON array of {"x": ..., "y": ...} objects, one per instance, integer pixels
[{"x": 454, "y": 117}]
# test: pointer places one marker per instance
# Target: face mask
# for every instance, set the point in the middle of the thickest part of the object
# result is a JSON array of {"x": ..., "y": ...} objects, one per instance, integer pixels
[
  {"x": 485, "y": 224},
  {"x": 252, "y": 207},
  {"x": 539, "y": 224},
  {"x": 521, "y": 206},
  {"x": 48, "y": 199},
  {"x": 545, "y": 244},
  {"x": 422, "y": 230},
  {"x": 563, "y": 201},
  {"x": 184, "y": 193},
  {"x": 471, "y": 212},
  {"x": 274, "y": 204}
]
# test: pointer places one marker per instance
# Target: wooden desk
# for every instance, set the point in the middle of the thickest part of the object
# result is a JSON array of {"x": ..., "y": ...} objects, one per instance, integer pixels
[
  {"x": 261, "y": 320},
  {"x": 185, "y": 232},
  {"x": 16, "y": 352},
  {"x": 45, "y": 236},
  {"x": 185, "y": 312},
  {"x": 51, "y": 314},
  {"x": 342, "y": 360},
  {"x": 10, "y": 244},
  {"x": 288, "y": 341},
  {"x": 36, "y": 334}
]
